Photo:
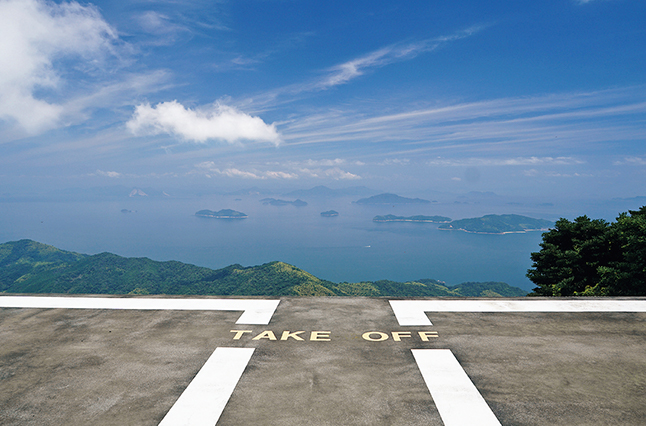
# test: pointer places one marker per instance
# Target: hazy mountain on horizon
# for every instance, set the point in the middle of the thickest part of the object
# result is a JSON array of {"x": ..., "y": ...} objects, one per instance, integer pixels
[
  {"x": 324, "y": 191},
  {"x": 388, "y": 198},
  {"x": 254, "y": 190}
]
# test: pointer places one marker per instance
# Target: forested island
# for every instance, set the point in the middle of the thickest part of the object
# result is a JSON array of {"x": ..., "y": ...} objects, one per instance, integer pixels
[
  {"x": 390, "y": 199},
  {"x": 30, "y": 267},
  {"x": 419, "y": 218},
  {"x": 330, "y": 213},
  {"x": 498, "y": 224},
  {"x": 222, "y": 214}
]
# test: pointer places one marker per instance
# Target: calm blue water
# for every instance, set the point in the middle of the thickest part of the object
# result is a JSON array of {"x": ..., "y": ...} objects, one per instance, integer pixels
[{"x": 349, "y": 247}]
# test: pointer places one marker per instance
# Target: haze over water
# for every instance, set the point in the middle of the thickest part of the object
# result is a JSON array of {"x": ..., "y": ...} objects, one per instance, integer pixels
[{"x": 349, "y": 247}]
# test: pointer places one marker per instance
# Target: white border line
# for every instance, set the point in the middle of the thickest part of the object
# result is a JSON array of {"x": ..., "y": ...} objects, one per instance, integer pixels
[
  {"x": 203, "y": 401},
  {"x": 255, "y": 311},
  {"x": 456, "y": 397},
  {"x": 413, "y": 312}
]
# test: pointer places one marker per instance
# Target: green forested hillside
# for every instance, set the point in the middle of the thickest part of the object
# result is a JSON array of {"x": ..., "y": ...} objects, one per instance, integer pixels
[
  {"x": 497, "y": 224},
  {"x": 30, "y": 267},
  {"x": 488, "y": 289}
]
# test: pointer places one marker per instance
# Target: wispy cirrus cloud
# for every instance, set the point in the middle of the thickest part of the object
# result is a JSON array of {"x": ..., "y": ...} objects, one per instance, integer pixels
[
  {"x": 394, "y": 161},
  {"x": 517, "y": 161},
  {"x": 162, "y": 28},
  {"x": 345, "y": 72},
  {"x": 554, "y": 174},
  {"x": 249, "y": 61},
  {"x": 553, "y": 122}
]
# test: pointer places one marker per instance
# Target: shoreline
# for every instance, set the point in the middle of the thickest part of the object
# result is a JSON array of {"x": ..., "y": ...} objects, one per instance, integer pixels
[
  {"x": 411, "y": 220},
  {"x": 222, "y": 217},
  {"x": 495, "y": 233}
]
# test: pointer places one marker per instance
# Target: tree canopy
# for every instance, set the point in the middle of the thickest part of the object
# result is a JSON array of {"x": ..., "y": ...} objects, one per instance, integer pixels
[{"x": 592, "y": 257}]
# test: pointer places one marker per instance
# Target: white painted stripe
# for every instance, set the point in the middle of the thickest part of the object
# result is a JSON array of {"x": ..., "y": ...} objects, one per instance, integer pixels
[
  {"x": 255, "y": 311},
  {"x": 410, "y": 312},
  {"x": 413, "y": 312},
  {"x": 203, "y": 401},
  {"x": 456, "y": 397}
]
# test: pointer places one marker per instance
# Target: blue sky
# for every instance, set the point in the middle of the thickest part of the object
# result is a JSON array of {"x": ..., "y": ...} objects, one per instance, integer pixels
[{"x": 506, "y": 96}]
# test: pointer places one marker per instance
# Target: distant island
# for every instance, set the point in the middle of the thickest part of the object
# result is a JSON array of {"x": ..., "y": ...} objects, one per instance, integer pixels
[
  {"x": 276, "y": 202},
  {"x": 390, "y": 199},
  {"x": 419, "y": 218},
  {"x": 498, "y": 224},
  {"x": 27, "y": 266},
  {"x": 222, "y": 214},
  {"x": 330, "y": 213}
]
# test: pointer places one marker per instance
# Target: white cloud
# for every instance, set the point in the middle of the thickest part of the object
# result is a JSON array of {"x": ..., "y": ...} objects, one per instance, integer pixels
[
  {"x": 314, "y": 163},
  {"x": 635, "y": 161},
  {"x": 231, "y": 172},
  {"x": 281, "y": 175},
  {"x": 332, "y": 173},
  {"x": 108, "y": 174},
  {"x": 209, "y": 168},
  {"x": 215, "y": 122},
  {"x": 35, "y": 36}
]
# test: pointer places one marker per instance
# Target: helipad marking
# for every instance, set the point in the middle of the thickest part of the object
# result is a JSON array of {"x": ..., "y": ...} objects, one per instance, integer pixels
[
  {"x": 255, "y": 311},
  {"x": 456, "y": 397},
  {"x": 203, "y": 401},
  {"x": 413, "y": 312}
]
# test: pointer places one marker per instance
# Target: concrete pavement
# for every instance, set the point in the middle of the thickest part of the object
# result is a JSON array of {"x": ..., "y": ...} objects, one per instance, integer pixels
[{"x": 322, "y": 361}]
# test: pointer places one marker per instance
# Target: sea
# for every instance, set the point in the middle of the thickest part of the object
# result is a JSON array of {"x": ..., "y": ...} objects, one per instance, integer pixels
[{"x": 349, "y": 247}]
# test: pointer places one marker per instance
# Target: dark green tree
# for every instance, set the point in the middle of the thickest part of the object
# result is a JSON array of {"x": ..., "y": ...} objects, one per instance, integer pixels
[
  {"x": 626, "y": 275},
  {"x": 570, "y": 257},
  {"x": 588, "y": 257}
]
